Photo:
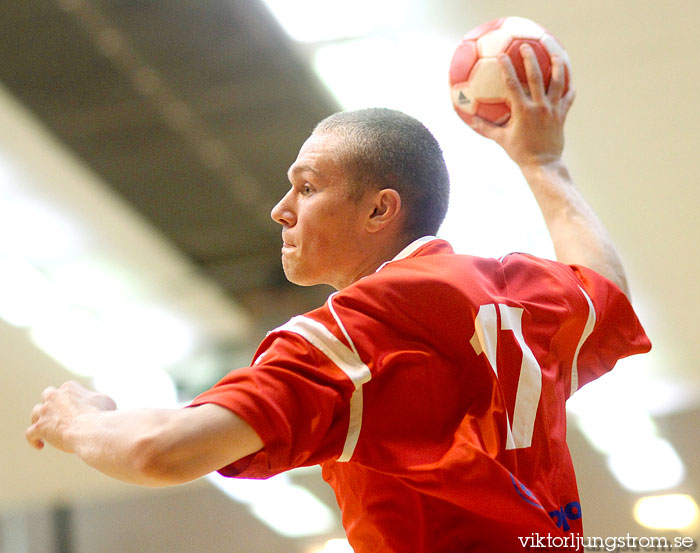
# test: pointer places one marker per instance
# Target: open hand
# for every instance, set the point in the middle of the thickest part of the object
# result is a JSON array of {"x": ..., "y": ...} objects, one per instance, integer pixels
[{"x": 534, "y": 134}]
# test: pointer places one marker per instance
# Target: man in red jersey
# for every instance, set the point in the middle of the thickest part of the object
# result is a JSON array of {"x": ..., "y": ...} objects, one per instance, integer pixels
[{"x": 431, "y": 386}]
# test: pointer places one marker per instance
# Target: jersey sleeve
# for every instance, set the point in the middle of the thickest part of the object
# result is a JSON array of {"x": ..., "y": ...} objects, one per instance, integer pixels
[
  {"x": 613, "y": 330},
  {"x": 294, "y": 397}
]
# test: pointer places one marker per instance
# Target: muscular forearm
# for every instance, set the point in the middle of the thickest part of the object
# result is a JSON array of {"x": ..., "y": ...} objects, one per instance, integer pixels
[
  {"x": 122, "y": 444},
  {"x": 152, "y": 447},
  {"x": 578, "y": 235},
  {"x": 161, "y": 447}
]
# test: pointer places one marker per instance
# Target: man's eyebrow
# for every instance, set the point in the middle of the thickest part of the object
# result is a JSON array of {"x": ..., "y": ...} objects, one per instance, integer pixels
[{"x": 297, "y": 169}]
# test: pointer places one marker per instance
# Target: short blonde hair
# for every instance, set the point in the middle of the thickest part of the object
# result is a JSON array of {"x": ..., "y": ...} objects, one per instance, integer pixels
[{"x": 386, "y": 148}]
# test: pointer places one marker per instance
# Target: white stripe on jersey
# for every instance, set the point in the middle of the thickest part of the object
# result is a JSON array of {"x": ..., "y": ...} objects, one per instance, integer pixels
[
  {"x": 590, "y": 324},
  {"x": 340, "y": 323},
  {"x": 346, "y": 360}
]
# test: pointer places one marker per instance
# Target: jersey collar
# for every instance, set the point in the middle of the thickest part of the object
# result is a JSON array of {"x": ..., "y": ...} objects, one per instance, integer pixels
[{"x": 410, "y": 249}]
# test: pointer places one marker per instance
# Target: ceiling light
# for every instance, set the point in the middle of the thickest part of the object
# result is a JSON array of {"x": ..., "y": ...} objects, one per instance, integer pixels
[
  {"x": 323, "y": 20},
  {"x": 133, "y": 386},
  {"x": 336, "y": 545},
  {"x": 647, "y": 465},
  {"x": 38, "y": 230},
  {"x": 157, "y": 335},
  {"x": 97, "y": 281},
  {"x": 634, "y": 382},
  {"x": 667, "y": 512},
  {"x": 25, "y": 293},
  {"x": 615, "y": 420},
  {"x": 288, "y": 509},
  {"x": 9, "y": 175},
  {"x": 75, "y": 337},
  {"x": 293, "y": 511},
  {"x": 615, "y": 426}
]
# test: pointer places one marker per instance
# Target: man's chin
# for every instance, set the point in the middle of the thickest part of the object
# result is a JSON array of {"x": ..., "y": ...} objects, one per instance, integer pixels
[
  {"x": 297, "y": 277},
  {"x": 301, "y": 282}
]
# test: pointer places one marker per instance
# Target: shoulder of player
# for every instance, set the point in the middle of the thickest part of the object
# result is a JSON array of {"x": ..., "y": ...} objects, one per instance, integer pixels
[
  {"x": 411, "y": 280},
  {"x": 544, "y": 269}
]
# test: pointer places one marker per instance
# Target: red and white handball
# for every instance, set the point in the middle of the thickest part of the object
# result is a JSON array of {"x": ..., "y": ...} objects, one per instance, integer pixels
[{"x": 475, "y": 79}]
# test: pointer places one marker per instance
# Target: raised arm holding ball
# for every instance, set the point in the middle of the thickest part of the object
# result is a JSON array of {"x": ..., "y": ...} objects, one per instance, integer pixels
[{"x": 534, "y": 139}]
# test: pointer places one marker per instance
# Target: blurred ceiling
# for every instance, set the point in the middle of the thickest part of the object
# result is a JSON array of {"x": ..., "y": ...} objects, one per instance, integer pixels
[{"x": 192, "y": 111}]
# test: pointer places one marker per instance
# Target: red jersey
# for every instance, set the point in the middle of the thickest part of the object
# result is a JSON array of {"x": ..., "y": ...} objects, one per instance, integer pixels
[{"x": 432, "y": 393}]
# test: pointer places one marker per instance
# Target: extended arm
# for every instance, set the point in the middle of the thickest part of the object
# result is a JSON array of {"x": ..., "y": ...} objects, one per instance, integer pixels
[
  {"x": 534, "y": 139},
  {"x": 151, "y": 447}
]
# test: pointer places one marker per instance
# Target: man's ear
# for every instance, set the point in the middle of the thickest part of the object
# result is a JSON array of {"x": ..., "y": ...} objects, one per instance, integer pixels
[{"x": 386, "y": 208}]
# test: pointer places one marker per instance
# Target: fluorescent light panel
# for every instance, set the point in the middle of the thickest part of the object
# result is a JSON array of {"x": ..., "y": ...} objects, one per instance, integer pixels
[
  {"x": 288, "y": 509},
  {"x": 647, "y": 465},
  {"x": 616, "y": 422},
  {"x": 25, "y": 293},
  {"x": 667, "y": 512},
  {"x": 336, "y": 545},
  {"x": 324, "y": 20}
]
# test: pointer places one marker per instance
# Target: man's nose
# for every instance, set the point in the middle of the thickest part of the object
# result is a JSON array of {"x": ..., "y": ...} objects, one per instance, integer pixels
[{"x": 283, "y": 212}]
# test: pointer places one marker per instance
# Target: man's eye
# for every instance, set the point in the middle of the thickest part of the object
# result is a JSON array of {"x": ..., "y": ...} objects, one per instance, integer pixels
[{"x": 306, "y": 190}]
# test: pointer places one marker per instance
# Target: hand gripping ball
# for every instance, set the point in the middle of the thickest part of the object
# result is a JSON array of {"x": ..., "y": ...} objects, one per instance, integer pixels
[{"x": 475, "y": 79}]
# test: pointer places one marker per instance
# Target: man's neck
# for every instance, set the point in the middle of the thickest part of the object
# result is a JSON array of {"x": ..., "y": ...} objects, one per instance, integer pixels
[{"x": 376, "y": 258}]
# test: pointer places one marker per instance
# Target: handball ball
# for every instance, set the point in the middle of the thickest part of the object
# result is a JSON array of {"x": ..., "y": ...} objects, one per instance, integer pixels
[{"x": 475, "y": 79}]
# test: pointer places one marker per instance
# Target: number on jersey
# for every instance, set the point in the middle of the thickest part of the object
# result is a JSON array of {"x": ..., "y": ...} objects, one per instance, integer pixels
[{"x": 527, "y": 396}]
